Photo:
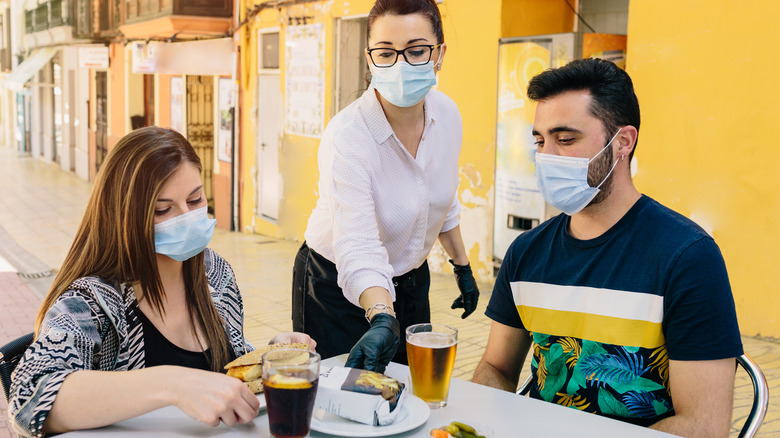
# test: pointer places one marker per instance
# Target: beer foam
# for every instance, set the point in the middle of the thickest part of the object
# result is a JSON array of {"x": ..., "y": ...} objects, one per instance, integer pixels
[{"x": 431, "y": 340}]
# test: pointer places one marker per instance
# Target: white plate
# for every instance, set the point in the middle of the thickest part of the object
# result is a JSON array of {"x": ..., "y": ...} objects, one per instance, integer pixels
[
  {"x": 261, "y": 399},
  {"x": 414, "y": 412}
]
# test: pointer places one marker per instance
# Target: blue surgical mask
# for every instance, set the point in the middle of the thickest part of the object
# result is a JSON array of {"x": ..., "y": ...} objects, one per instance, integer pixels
[
  {"x": 403, "y": 84},
  {"x": 563, "y": 181},
  {"x": 184, "y": 236}
]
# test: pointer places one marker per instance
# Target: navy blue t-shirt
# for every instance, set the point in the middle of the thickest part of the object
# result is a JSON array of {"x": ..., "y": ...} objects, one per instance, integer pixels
[{"x": 607, "y": 314}]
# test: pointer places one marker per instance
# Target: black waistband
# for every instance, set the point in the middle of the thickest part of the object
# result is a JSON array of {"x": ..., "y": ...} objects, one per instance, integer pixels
[{"x": 404, "y": 280}]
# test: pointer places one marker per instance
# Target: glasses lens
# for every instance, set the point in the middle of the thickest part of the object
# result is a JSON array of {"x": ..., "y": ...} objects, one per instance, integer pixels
[
  {"x": 383, "y": 57},
  {"x": 417, "y": 55}
]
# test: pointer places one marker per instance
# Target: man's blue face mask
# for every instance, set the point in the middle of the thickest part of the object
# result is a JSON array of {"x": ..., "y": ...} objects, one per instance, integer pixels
[
  {"x": 563, "y": 181},
  {"x": 184, "y": 236}
]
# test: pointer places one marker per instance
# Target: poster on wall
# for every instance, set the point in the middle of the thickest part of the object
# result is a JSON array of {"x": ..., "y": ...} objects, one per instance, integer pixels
[
  {"x": 145, "y": 56},
  {"x": 519, "y": 206},
  {"x": 177, "y": 104},
  {"x": 517, "y": 197},
  {"x": 305, "y": 80},
  {"x": 605, "y": 46},
  {"x": 225, "y": 128}
]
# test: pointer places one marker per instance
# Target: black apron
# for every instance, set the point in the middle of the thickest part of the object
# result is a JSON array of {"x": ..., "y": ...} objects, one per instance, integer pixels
[{"x": 320, "y": 309}]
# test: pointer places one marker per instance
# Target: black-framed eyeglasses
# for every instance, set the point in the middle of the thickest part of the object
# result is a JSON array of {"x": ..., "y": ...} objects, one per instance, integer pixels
[{"x": 384, "y": 57}]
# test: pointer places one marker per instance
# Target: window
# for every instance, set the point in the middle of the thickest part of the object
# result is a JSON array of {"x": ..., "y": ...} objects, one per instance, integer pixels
[{"x": 269, "y": 50}]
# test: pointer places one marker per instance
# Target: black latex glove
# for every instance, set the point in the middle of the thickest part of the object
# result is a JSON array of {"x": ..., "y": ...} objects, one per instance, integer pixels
[
  {"x": 377, "y": 346},
  {"x": 469, "y": 293}
]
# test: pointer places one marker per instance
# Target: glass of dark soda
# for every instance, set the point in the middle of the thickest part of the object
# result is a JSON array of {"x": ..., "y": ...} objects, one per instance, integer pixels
[{"x": 290, "y": 378}]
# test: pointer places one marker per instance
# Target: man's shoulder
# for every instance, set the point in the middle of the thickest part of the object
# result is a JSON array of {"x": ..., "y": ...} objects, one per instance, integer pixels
[
  {"x": 675, "y": 227},
  {"x": 545, "y": 231}
]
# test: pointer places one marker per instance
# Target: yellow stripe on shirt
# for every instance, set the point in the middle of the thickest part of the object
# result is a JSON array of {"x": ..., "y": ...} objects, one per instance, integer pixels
[
  {"x": 601, "y": 315},
  {"x": 598, "y": 328}
]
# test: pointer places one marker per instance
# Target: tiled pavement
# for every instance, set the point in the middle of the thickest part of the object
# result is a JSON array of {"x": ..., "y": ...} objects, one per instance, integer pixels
[{"x": 41, "y": 206}]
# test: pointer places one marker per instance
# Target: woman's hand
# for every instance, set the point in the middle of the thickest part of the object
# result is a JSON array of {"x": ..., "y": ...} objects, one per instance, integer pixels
[
  {"x": 211, "y": 397},
  {"x": 292, "y": 338}
]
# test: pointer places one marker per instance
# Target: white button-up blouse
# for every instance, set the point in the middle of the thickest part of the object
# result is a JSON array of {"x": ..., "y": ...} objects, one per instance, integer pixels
[{"x": 380, "y": 210}]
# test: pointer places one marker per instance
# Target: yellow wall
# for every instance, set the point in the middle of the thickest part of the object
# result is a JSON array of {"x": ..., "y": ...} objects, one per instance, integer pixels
[
  {"x": 535, "y": 17},
  {"x": 468, "y": 76},
  {"x": 706, "y": 77},
  {"x": 471, "y": 32}
]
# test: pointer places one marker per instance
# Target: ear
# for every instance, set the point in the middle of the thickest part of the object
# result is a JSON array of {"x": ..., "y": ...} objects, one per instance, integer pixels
[
  {"x": 440, "y": 60},
  {"x": 368, "y": 62},
  {"x": 626, "y": 140}
]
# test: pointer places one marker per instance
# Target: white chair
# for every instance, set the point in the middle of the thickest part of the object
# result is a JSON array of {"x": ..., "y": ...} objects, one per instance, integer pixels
[{"x": 760, "y": 396}]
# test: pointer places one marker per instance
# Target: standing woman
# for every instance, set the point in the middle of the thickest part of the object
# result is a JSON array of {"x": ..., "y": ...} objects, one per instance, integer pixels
[
  {"x": 388, "y": 188},
  {"x": 141, "y": 312}
]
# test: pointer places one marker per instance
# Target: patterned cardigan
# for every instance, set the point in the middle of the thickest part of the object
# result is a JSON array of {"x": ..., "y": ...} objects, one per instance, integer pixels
[{"x": 94, "y": 325}]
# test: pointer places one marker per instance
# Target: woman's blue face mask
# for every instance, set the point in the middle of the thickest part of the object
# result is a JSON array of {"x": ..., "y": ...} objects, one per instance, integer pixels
[{"x": 184, "y": 236}]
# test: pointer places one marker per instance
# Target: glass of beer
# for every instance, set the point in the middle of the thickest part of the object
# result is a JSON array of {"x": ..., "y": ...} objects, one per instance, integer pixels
[
  {"x": 431, "y": 351},
  {"x": 290, "y": 378}
]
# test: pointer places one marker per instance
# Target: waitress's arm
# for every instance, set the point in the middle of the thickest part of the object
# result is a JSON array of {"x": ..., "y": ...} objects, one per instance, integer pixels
[
  {"x": 452, "y": 241},
  {"x": 375, "y": 295}
]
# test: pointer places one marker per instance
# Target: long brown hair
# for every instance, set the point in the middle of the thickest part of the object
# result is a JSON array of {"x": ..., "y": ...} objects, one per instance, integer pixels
[{"x": 115, "y": 240}]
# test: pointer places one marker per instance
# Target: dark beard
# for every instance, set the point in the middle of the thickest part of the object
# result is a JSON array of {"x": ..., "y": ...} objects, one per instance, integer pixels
[{"x": 597, "y": 171}]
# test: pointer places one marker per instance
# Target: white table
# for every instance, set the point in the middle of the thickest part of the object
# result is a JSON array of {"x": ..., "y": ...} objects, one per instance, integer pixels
[{"x": 504, "y": 413}]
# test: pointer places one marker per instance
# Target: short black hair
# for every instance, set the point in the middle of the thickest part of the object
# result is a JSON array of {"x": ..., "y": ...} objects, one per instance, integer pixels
[{"x": 613, "y": 100}]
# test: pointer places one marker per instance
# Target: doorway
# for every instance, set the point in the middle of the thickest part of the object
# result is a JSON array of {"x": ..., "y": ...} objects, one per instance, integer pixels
[
  {"x": 200, "y": 129},
  {"x": 268, "y": 126},
  {"x": 269, "y": 123},
  {"x": 351, "y": 66},
  {"x": 101, "y": 118}
]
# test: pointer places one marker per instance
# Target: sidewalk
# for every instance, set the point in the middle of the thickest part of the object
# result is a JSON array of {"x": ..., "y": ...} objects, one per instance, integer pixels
[{"x": 41, "y": 207}]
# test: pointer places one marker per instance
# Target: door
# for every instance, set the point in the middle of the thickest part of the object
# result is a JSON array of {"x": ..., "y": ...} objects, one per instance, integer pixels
[
  {"x": 149, "y": 100},
  {"x": 351, "y": 68},
  {"x": 101, "y": 118},
  {"x": 200, "y": 129},
  {"x": 72, "y": 117},
  {"x": 269, "y": 125},
  {"x": 23, "y": 122}
]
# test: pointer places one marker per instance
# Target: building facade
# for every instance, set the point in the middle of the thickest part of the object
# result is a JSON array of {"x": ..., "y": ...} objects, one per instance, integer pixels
[{"x": 253, "y": 83}]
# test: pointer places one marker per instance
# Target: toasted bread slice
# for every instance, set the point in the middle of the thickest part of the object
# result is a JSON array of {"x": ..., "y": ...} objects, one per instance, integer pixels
[
  {"x": 255, "y": 357},
  {"x": 246, "y": 372},
  {"x": 255, "y": 386}
]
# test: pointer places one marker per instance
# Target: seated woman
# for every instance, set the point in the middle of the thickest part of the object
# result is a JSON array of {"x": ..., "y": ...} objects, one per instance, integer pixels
[{"x": 138, "y": 293}]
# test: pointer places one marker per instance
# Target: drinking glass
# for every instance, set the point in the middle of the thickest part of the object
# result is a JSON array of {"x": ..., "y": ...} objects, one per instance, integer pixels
[
  {"x": 290, "y": 378},
  {"x": 431, "y": 351}
]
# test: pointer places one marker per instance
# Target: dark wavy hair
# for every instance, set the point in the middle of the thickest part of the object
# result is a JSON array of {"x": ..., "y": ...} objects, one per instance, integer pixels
[
  {"x": 613, "y": 100},
  {"x": 428, "y": 8}
]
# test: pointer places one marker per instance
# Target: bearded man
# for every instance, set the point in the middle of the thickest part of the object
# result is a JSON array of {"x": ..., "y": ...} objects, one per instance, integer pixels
[{"x": 627, "y": 304}]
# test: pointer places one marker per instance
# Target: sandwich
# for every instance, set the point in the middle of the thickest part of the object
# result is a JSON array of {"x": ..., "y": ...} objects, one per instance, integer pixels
[{"x": 249, "y": 367}]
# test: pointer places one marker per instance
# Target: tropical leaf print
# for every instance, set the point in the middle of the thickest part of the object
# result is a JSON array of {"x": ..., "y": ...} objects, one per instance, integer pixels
[
  {"x": 557, "y": 372},
  {"x": 661, "y": 363},
  {"x": 572, "y": 401},
  {"x": 613, "y": 369},
  {"x": 661, "y": 406},
  {"x": 541, "y": 371},
  {"x": 541, "y": 338},
  {"x": 591, "y": 347},
  {"x": 572, "y": 348},
  {"x": 643, "y": 404},
  {"x": 609, "y": 405}
]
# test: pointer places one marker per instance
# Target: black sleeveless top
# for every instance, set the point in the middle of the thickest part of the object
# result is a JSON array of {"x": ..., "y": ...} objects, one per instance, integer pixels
[{"x": 160, "y": 351}]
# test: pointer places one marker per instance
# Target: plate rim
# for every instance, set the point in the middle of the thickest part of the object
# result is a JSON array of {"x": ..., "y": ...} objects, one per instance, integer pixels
[{"x": 379, "y": 432}]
